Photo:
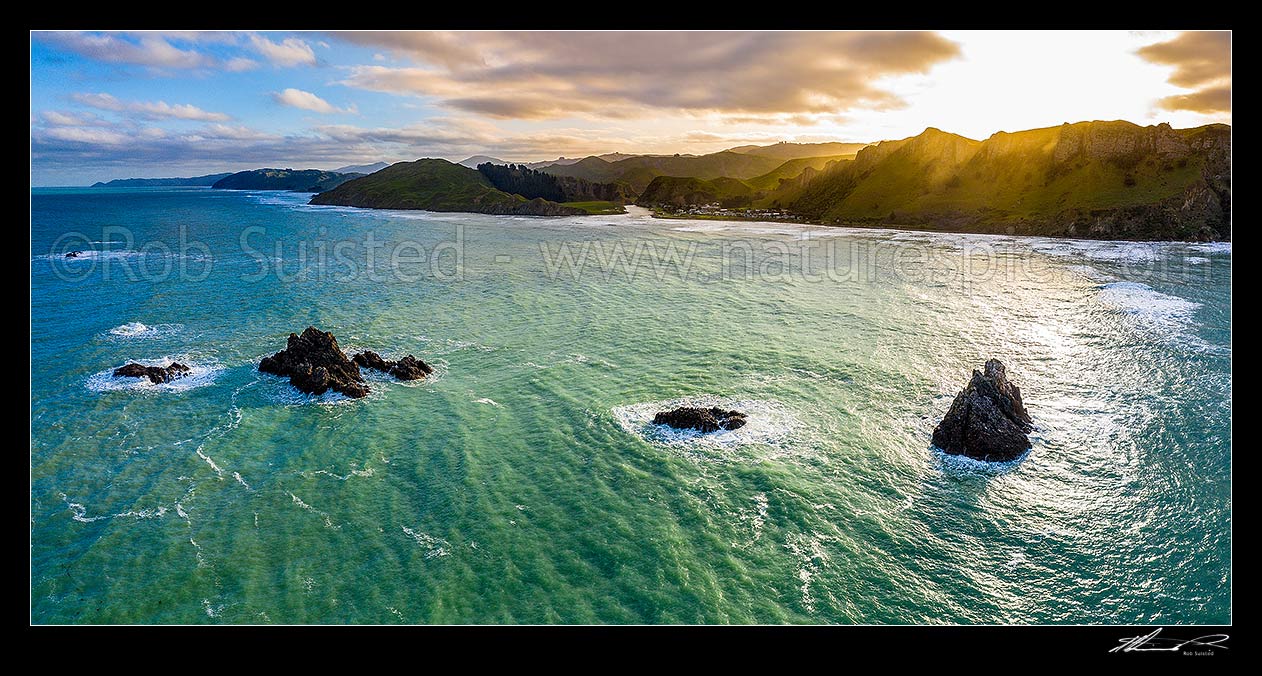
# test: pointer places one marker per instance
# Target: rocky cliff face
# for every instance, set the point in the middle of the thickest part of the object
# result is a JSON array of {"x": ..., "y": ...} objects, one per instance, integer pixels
[
  {"x": 1119, "y": 141},
  {"x": 1200, "y": 211},
  {"x": 1197, "y": 214}
]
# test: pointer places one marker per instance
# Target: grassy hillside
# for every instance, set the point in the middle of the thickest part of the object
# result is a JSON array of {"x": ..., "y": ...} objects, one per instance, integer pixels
[
  {"x": 793, "y": 151},
  {"x": 780, "y": 185},
  {"x": 919, "y": 167},
  {"x": 436, "y": 185},
  {"x": 1091, "y": 179},
  {"x": 598, "y": 208},
  {"x": 680, "y": 191},
  {"x": 792, "y": 169}
]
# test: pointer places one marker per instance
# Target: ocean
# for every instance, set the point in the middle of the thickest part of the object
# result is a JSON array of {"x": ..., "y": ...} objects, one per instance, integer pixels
[{"x": 524, "y": 483}]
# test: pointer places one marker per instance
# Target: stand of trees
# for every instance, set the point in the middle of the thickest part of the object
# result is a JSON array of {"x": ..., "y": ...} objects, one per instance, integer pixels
[{"x": 530, "y": 183}]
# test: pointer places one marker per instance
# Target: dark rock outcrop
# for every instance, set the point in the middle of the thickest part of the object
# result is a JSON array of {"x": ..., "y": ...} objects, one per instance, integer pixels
[
  {"x": 987, "y": 420},
  {"x": 407, "y": 368},
  {"x": 156, "y": 374},
  {"x": 315, "y": 364},
  {"x": 371, "y": 360},
  {"x": 703, "y": 419},
  {"x": 410, "y": 368}
]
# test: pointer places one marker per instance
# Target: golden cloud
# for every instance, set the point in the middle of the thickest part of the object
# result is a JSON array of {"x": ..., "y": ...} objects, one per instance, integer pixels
[
  {"x": 1201, "y": 61},
  {"x": 541, "y": 74}
]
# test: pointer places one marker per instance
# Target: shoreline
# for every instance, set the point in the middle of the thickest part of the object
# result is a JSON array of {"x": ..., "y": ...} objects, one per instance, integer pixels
[
  {"x": 731, "y": 218},
  {"x": 904, "y": 228}
]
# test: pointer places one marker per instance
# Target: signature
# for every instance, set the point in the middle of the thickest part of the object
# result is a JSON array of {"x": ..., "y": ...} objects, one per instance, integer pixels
[{"x": 1155, "y": 643}]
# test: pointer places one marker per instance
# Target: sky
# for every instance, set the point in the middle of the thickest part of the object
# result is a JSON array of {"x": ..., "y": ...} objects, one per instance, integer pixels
[{"x": 153, "y": 104}]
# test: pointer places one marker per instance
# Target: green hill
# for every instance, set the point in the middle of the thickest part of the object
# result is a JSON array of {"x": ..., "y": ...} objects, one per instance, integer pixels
[
  {"x": 1109, "y": 180},
  {"x": 771, "y": 189},
  {"x": 436, "y": 185},
  {"x": 298, "y": 180},
  {"x": 793, "y": 169},
  {"x": 637, "y": 172},
  {"x": 793, "y": 151},
  {"x": 678, "y": 191}
]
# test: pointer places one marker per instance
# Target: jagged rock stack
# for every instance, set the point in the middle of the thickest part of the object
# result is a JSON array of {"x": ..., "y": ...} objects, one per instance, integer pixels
[
  {"x": 987, "y": 420},
  {"x": 156, "y": 374},
  {"x": 407, "y": 368},
  {"x": 315, "y": 364},
  {"x": 703, "y": 419}
]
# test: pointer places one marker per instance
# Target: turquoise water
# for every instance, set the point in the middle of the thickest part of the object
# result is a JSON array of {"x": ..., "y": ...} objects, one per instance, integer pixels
[{"x": 523, "y": 483}]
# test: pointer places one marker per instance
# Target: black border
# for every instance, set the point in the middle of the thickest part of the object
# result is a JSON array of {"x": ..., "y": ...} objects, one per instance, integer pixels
[{"x": 842, "y": 647}]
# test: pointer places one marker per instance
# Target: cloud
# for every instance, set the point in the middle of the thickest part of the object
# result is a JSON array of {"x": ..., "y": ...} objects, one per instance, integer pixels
[
  {"x": 731, "y": 140},
  {"x": 158, "y": 49},
  {"x": 61, "y": 148},
  {"x": 239, "y": 63},
  {"x": 86, "y": 136},
  {"x": 235, "y": 133},
  {"x": 298, "y": 98},
  {"x": 782, "y": 120},
  {"x": 288, "y": 52},
  {"x": 1207, "y": 101},
  {"x": 445, "y": 48},
  {"x": 72, "y": 119},
  {"x": 181, "y": 50},
  {"x": 160, "y": 110},
  {"x": 146, "y": 49},
  {"x": 539, "y": 75},
  {"x": 1202, "y": 62},
  {"x": 100, "y": 101},
  {"x": 150, "y": 110}
]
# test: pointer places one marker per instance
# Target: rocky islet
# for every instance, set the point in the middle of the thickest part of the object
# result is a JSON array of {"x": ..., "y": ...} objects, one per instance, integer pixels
[
  {"x": 156, "y": 374},
  {"x": 705, "y": 420},
  {"x": 987, "y": 420}
]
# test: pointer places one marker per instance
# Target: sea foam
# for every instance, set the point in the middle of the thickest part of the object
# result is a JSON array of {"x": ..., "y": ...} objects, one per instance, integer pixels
[
  {"x": 200, "y": 374},
  {"x": 1147, "y": 303},
  {"x": 1212, "y": 247},
  {"x": 140, "y": 330},
  {"x": 767, "y": 422}
]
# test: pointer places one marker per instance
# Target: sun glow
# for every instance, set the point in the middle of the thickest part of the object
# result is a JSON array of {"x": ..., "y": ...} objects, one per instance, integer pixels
[{"x": 1006, "y": 81}]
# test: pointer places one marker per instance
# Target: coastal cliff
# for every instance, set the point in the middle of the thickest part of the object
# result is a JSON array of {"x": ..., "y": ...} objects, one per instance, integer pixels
[{"x": 1098, "y": 180}]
